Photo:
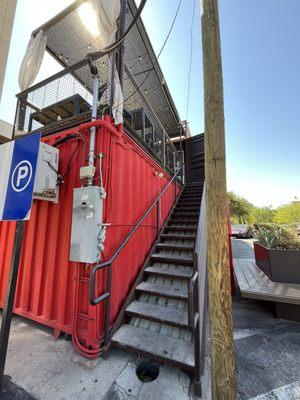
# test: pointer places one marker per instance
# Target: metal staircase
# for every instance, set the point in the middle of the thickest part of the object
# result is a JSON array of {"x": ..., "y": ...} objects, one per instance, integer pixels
[{"x": 162, "y": 321}]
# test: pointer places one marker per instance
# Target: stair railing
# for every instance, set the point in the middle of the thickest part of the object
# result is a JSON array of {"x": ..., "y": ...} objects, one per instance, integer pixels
[
  {"x": 197, "y": 296},
  {"x": 108, "y": 264}
]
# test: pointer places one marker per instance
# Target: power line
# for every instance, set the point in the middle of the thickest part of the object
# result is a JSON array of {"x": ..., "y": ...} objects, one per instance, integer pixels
[{"x": 190, "y": 63}]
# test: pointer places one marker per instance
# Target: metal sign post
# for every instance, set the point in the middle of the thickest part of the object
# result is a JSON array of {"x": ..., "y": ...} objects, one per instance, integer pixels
[
  {"x": 18, "y": 160},
  {"x": 10, "y": 296}
]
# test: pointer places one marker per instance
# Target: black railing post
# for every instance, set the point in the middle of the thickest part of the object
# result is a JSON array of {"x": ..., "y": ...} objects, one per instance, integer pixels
[
  {"x": 197, "y": 380},
  {"x": 175, "y": 191},
  {"x": 158, "y": 218},
  {"x": 164, "y": 150},
  {"x": 107, "y": 309}
]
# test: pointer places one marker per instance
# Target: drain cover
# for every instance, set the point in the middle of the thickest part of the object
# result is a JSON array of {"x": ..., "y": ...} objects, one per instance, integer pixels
[{"x": 147, "y": 371}]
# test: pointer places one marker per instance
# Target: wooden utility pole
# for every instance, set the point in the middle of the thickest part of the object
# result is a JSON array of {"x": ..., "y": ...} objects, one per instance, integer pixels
[{"x": 220, "y": 306}]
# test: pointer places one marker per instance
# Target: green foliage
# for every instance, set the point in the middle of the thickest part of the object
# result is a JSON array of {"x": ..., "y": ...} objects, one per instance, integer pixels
[
  {"x": 288, "y": 214},
  {"x": 276, "y": 237},
  {"x": 240, "y": 209},
  {"x": 262, "y": 215}
]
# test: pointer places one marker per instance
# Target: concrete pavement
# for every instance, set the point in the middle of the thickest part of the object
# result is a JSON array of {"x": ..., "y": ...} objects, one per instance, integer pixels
[{"x": 267, "y": 361}]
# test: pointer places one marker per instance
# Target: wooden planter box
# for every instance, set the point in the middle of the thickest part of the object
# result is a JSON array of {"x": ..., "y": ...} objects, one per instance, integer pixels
[{"x": 278, "y": 265}]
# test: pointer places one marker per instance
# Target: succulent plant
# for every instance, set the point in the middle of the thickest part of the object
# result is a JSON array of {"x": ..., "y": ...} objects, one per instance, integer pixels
[{"x": 276, "y": 237}]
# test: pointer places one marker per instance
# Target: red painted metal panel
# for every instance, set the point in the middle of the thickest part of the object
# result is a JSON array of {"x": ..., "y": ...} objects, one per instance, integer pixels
[{"x": 51, "y": 289}]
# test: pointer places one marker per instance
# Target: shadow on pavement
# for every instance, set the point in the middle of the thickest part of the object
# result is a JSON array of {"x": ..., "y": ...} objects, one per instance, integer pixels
[{"x": 11, "y": 391}]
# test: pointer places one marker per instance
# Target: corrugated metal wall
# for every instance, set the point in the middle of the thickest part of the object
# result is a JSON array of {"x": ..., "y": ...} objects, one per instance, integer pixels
[{"x": 51, "y": 289}]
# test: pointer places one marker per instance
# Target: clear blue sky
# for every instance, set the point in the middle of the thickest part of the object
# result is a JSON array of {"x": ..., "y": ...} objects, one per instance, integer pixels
[{"x": 261, "y": 65}]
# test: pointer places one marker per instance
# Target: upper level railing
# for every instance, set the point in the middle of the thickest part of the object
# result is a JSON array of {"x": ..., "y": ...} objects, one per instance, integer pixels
[{"x": 64, "y": 100}]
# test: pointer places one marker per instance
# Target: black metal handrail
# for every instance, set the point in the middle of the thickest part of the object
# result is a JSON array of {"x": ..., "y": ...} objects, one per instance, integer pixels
[
  {"x": 106, "y": 296},
  {"x": 197, "y": 293}
]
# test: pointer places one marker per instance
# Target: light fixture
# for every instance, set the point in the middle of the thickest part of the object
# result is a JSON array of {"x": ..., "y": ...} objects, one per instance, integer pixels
[{"x": 89, "y": 19}]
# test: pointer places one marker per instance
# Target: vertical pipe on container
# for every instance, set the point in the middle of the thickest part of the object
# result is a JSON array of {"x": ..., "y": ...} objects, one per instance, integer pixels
[
  {"x": 121, "y": 30},
  {"x": 93, "y": 129},
  {"x": 112, "y": 85}
]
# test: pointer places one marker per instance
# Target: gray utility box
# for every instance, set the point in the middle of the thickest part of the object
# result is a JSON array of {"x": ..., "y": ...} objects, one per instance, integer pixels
[{"x": 86, "y": 225}]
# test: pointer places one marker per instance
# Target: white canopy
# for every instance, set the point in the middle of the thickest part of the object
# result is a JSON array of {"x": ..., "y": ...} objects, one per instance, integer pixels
[
  {"x": 32, "y": 60},
  {"x": 107, "y": 13}
]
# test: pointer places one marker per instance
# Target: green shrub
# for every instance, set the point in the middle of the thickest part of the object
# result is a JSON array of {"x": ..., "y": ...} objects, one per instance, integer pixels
[{"x": 276, "y": 237}]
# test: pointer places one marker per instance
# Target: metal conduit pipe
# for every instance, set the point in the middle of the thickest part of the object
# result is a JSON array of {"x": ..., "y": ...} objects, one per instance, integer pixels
[
  {"x": 91, "y": 160},
  {"x": 97, "y": 124}
]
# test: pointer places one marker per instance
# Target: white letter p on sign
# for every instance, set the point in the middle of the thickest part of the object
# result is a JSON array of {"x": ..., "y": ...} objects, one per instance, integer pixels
[
  {"x": 21, "y": 176},
  {"x": 22, "y": 173}
]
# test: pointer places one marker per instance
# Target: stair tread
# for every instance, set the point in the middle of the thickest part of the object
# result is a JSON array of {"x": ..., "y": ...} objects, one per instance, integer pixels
[
  {"x": 181, "y": 228},
  {"x": 174, "y": 246},
  {"x": 185, "y": 215},
  {"x": 155, "y": 345},
  {"x": 157, "y": 313},
  {"x": 178, "y": 272},
  {"x": 180, "y": 220},
  {"x": 185, "y": 259},
  {"x": 163, "y": 290},
  {"x": 177, "y": 236}
]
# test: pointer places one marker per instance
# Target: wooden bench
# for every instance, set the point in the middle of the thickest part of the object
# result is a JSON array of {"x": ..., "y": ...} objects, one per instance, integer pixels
[{"x": 255, "y": 284}]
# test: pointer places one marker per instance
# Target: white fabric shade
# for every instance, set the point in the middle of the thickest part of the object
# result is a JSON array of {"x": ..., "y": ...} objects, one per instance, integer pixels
[
  {"x": 108, "y": 12},
  {"x": 32, "y": 60}
]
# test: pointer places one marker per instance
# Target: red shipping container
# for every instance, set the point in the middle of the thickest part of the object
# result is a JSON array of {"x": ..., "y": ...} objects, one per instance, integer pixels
[{"x": 51, "y": 289}]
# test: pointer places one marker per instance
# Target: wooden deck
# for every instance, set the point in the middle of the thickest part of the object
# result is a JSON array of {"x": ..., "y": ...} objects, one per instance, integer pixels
[{"x": 253, "y": 283}]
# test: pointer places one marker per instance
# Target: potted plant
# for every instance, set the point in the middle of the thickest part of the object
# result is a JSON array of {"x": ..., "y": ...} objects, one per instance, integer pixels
[{"x": 277, "y": 253}]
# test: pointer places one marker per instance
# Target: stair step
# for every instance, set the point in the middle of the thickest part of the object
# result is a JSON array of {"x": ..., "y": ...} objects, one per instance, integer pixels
[
  {"x": 185, "y": 215},
  {"x": 156, "y": 313},
  {"x": 177, "y": 273},
  {"x": 172, "y": 258},
  {"x": 177, "y": 236},
  {"x": 171, "y": 292},
  {"x": 180, "y": 228},
  {"x": 173, "y": 220},
  {"x": 192, "y": 192},
  {"x": 165, "y": 349},
  {"x": 189, "y": 199},
  {"x": 187, "y": 206},
  {"x": 181, "y": 225},
  {"x": 167, "y": 246},
  {"x": 182, "y": 208}
]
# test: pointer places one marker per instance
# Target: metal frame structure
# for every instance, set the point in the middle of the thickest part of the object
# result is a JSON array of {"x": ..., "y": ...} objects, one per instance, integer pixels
[{"x": 158, "y": 145}]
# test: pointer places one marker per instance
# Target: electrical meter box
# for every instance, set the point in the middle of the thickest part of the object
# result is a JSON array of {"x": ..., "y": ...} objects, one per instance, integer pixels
[
  {"x": 86, "y": 225},
  {"x": 45, "y": 185}
]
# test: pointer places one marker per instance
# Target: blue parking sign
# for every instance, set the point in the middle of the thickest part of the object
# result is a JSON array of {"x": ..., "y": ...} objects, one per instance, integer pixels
[{"x": 18, "y": 161}]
